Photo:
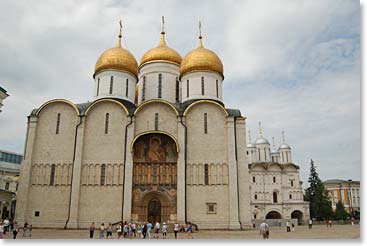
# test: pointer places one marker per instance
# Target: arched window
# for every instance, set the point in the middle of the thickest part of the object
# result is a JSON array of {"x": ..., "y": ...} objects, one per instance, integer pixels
[
  {"x": 188, "y": 88},
  {"x": 103, "y": 174},
  {"x": 275, "y": 197},
  {"x": 160, "y": 85},
  {"x": 205, "y": 123},
  {"x": 111, "y": 84},
  {"x": 206, "y": 174},
  {"x": 143, "y": 93},
  {"x": 253, "y": 179},
  {"x": 106, "y": 123},
  {"x": 291, "y": 182},
  {"x": 58, "y": 123},
  {"x": 99, "y": 79},
  {"x": 216, "y": 84},
  {"x": 290, "y": 196},
  {"x": 274, "y": 180},
  {"x": 127, "y": 87},
  {"x": 255, "y": 197},
  {"x": 177, "y": 90},
  {"x": 52, "y": 174},
  {"x": 202, "y": 86},
  {"x": 156, "y": 120}
]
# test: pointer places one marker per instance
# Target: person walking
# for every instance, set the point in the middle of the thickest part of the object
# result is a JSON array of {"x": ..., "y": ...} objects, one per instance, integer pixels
[
  {"x": 310, "y": 223},
  {"x": 6, "y": 225},
  {"x": 176, "y": 228},
  {"x": 119, "y": 230},
  {"x": 189, "y": 230},
  {"x": 156, "y": 229},
  {"x": 101, "y": 231},
  {"x": 133, "y": 228},
  {"x": 109, "y": 230},
  {"x": 292, "y": 226},
  {"x": 30, "y": 230},
  {"x": 92, "y": 227},
  {"x": 149, "y": 230},
  {"x": 25, "y": 228},
  {"x": 288, "y": 226},
  {"x": 125, "y": 230},
  {"x": 164, "y": 230},
  {"x": 352, "y": 221},
  {"x": 15, "y": 230},
  {"x": 144, "y": 231},
  {"x": 264, "y": 230}
]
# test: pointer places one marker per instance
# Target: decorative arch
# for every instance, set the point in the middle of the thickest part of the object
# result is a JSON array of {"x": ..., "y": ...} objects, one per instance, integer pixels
[
  {"x": 285, "y": 166},
  {"x": 276, "y": 165},
  {"x": 273, "y": 214},
  {"x": 297, "y": 214},
  {"x": 57, "y": 101},
  {"x": 262, "y": 166},
  {"x": 106, "y": 100},
  {"x": 155, "y": 101},
  {"x": 150, "y": 132},
  {"x": 205, "y": 101}
]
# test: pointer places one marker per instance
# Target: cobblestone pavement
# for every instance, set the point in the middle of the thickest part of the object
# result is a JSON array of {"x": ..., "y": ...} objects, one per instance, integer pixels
[{"x": 301, "y": 232}]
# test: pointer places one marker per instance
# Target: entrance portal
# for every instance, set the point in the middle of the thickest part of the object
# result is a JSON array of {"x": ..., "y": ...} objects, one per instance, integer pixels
[
  {"x": 154, "y": 211},
  {"x": 154, "y": 194}
]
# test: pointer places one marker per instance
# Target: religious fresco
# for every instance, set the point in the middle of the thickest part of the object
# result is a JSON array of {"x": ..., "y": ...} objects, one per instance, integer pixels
[{"x": 154, "y": 178}]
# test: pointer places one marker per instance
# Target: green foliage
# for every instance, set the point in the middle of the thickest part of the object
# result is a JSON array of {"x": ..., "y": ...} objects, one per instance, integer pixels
[
  {"x": 340, "y": 213},
  {"x": 320, "y": 206}
]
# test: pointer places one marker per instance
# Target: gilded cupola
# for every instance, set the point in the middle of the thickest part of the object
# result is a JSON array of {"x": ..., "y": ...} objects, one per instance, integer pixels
[
  {"x": 117, "y": 58},
  {"x": 161, "y": 53},
  {"x": 201, "y": 59}
]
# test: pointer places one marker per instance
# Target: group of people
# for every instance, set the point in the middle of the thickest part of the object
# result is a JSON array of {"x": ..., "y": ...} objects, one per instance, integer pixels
[
  {"x": 146, "y": 230},
  {"x": 7, "y": 225}
]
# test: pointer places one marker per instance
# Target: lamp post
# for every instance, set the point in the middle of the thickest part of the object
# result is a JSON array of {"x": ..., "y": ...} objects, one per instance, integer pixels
[{"x": 350, "y": 198}]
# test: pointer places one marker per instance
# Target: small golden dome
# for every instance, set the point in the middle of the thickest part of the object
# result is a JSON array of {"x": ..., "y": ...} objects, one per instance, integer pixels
[
  {"x": 117, "y": 58},
  {"x": 161, "y": 53},
  {"x": 201, "y": 59}
]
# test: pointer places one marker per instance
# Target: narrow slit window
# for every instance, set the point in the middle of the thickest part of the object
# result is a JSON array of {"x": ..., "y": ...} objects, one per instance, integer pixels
[
  {"x": 111, "y": 85},
  {"x": 253, "y": 179},
  {"x": 290, "y": 196},
  {"x": 156, "y": 119},
  {"x": 99, "y": 80},
  {"x": 216, "y": 84},
  {"x": 202, "y": 86},
  {"x": 275, "y": 197},
  {"x": 106, "y": 123},
  {"x": 103, "y": 174},
  {"x": 274, "y": 179},
  {"x": 177, "y": 90},
  {"x": 143, "y": 93},
  {"x": 205, "y": 123},
  {"x": 291, "y": 182},
  {"x": 127, "y": 87},
  {"x": 188, "y": 88},
  {"x": 58, "y": 123},
  {"x": 206, "y": 174},
  {"x": 160, "y": 85},
  {"x": 255, "y": 197},
  {"x": 52, "y": 174}
]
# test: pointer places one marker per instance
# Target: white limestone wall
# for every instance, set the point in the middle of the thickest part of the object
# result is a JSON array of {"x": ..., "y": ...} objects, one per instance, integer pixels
[
  {"x": 263, "y": 153},
  {"x": 51, "y": 148},
  {"x": 210, "y": 88},
  {"x": 285, "y": 156},
  {"x": 102, "y": 88},
  {"x": 170, "y": 73},
  {"x": 102, "y": 203}
]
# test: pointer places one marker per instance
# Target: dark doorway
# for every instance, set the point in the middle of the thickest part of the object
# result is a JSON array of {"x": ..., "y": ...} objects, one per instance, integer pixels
[
  {"x": 273, "y": 215},
  {"x": 296, "y": 214},
  {"x": 154, "y": 211}
]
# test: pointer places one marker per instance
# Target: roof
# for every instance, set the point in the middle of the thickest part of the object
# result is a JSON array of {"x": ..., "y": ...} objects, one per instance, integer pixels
[
  {"x": 3, "y": 90},
  {"x": 338, "y": 181}
]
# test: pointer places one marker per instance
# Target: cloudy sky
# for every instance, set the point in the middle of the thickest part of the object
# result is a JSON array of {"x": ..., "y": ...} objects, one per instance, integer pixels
[{"x": 293, "y": 65}]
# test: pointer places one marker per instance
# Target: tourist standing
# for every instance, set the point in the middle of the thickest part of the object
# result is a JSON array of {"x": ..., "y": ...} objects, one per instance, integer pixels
[
  {"x": 164, "y": 230},
  {"x": 310, "y": 223},
  {"x": 133, "y": 227},
  {"x": 109, "y": 230},
  {"x": 264, "y": 230},
  {"x": 149, "y": 229},
  {"x": 92, "y": 227},
  {"x": 330, "y": 223},
  {"x": 292, "y": 226},
  {"x": 352, "y": 221},
  {"x": 176, "y": 228},
  {"x": 101, "y": 231},
  {"x": 6, "y": 225},
  {"x": 25, "y": 228},
  {"x": 30, "y": 230},
  {"x": 119, "y": 230},
  {"x": 125, "y": 229},
  {"x": 15, "y": 230},
  {"x": 288, "y": 226},
  {"x": 189, "y": 230},
  {"x": 156, "y": 229},
  {"x": 145, "y": 229}
]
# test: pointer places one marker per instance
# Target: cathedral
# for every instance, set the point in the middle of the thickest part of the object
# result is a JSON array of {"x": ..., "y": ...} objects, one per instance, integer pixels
[{"x": 156, "y": 143}]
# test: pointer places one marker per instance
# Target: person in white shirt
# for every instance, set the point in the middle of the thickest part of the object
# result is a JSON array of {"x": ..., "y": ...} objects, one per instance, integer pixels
[
  {"x": 310, "y": 224},
  {"x": 156, "y": 229},
  {"x": 164, "y": 230},
  {"x": 176, "y": 228},
  {"x": 264, "y": 230}
]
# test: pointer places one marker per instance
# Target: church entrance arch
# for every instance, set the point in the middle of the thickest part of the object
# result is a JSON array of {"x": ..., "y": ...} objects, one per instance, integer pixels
[
  {"x": 273, "y": 215},
  {"x": 154, "y": 194},
  {"x": 296, "y": 214}
]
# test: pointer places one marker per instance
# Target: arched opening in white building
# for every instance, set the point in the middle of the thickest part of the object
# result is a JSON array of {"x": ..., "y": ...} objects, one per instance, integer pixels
[
  {"x": 273, "y": 215},
  {"x": 296, "y": 214}
]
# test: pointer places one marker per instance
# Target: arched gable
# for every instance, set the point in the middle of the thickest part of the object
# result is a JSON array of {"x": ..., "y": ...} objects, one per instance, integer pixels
[
  {"x": 106, "y": 100},
  {"x": 57, "y": 101},
  {"x": 205, "y": 101},
  {"x": 141, "y": 106}
]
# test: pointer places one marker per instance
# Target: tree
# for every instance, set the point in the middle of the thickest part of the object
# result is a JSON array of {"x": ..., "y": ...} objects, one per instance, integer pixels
[
  {"x": 340, "y": 213},
  {"x": 320, "y": 206}
]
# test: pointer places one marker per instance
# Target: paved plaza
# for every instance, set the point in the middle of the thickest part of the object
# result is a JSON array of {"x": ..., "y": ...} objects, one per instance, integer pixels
[{"x": 301, "y": 232}]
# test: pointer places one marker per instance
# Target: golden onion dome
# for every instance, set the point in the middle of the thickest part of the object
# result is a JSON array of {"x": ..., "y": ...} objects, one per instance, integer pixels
[
  {"x": 201, "y": 59},
  {"x": 161, "y": 53},
  {"x": 117, "y": 58}
]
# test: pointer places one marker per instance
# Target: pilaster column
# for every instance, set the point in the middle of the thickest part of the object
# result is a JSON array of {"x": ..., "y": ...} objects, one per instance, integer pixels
[
  {"x": 128, "y": 179},
  {"x": 181, "y": 171},
  {"x": 77, "y": 171},
  {"x": 232, "y": 164},
  {"x": 21, "y": 214}
]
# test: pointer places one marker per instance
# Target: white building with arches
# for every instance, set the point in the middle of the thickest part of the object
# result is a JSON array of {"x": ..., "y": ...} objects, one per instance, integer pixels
[{"x": 156, "y": 144}]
